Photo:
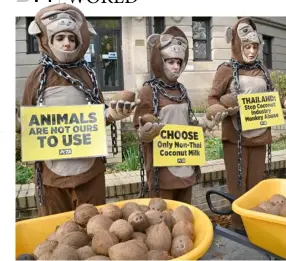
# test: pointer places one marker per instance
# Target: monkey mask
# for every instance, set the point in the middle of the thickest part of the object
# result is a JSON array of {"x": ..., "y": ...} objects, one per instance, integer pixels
[
  {"x": 172, "y": 43},
  {"x": 244, "y": 32},
  {"x": 59, "y": 18}
]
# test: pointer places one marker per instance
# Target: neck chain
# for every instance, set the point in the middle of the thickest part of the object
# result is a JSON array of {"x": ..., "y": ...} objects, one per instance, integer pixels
[{"x": 92, "y": 95}]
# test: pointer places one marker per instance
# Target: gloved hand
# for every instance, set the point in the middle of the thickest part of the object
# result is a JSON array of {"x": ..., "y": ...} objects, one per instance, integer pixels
[
  {"x": 119, "y": 110},
  {"x": 148, "y": 131},
  {"x": 232, "y": 110},
  {"x": 210, "y": 124}
]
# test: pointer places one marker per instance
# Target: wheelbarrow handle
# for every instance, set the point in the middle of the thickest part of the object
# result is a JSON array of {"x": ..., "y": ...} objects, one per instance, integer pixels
[{"x": 227, "y": 196}]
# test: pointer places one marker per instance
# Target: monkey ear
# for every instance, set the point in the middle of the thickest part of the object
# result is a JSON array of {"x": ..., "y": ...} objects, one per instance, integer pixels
[
  {"x": 90, "y": 28},
  {"x": 228, "y": 34},
  {"x": 34, "y": 28},
  {"x": 151, "y": 40}
]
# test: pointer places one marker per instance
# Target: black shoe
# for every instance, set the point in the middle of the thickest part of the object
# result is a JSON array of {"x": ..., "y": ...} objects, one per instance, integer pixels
[{"x": 241, "y": 232}]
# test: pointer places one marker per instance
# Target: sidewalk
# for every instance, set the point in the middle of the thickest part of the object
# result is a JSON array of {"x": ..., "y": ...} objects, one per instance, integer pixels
[{"x": 225, "y": 249}]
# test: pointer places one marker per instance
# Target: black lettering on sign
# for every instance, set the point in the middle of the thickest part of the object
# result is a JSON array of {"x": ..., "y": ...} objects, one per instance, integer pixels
[
  {"x": 77, "y": 139},
  {"x": 169, "y": 134},
  {"x": 52, "y": 141}
]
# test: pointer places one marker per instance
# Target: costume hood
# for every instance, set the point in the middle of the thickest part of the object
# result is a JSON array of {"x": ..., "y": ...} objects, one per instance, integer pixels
[
  {"x": 172, "y": 43},
  {"x": 58, "y": 18},
  {"x": 242, "y": 33}
]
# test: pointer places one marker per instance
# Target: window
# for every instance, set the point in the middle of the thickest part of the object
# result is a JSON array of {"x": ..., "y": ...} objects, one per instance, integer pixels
[
  {"x": 267, "y": 52},
  {"x": 159, "y": 25},
  {"x": 201, "y": 38},
  {"x": 32, "y": 44}
]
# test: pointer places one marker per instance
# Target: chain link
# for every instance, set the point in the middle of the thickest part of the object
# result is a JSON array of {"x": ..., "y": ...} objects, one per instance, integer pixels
[
  {"x": 114, "y": 138},
  {"x": 236, "y": 66},
  {"x": 142, "y": 171},
  {"x": 39, "y": 182}
]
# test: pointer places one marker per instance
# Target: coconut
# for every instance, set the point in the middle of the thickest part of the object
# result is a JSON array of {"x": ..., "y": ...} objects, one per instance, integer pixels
[
  {"x": 277, "y": 199},
  {"x": 84, "y": 212},
  {"x": 266, "y": 205},
  {"x": 97, "y": 223},
  {"x": 52, "y": 236},
  {"x": 157, "y": 255},
  {"x": 158, "y": 204},
  {"x": 85, "y": 252},
  {"x": 159, "y": 237},
  {"x": 183, "y": 227},
  {"x": 111, "y": 211},
  {"x": 102, "y": 241},
  {"x": 129, "y": 250},
  {"x": 139, "y": 236},
  {"x": 283, "y": 210},
  {"x": 228, "y": 100},
  {"x": 168, "y": 218},
  {"x": 128, "y": 208},
  {"x": 275, "y": 209},
  {"x": 144, "y": 208},
  {"x": 154, "y": 217},
  {"x": 258, "y": 209},
  {"x": 46, "y": 246},
  {"x": 46, "y": 256},
  {"x": 181, "y": 245},
  {"x": 149, "y": 118},
  {"x": 64, "y": 252},
  {"x": 65, "y": 228},
  {"x": 213, "y": 110},
  {"x": 75, "y": 239},
  {"x": 98, "y": 258},
  {"x": 138, "y": 221},
  {"x": 122, "y": 229},
  {"x": 124, "y": 96},
  {"x": 183, "y": 213}
]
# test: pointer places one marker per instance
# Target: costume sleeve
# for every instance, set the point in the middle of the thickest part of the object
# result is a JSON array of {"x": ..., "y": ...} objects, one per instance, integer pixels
[
  {"x": 31, "y": 86},
  {"x": 145, "y": 106},
  {"x": 220, "y": 84}
]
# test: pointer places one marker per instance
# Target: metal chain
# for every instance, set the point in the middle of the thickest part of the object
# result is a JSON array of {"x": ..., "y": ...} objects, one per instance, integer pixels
[
  {"x": 142, "y": 171},
  {"x": 236, "y": 66},
  {"x": 113, "y": 128},
  {"x": 39, "y": 182}
]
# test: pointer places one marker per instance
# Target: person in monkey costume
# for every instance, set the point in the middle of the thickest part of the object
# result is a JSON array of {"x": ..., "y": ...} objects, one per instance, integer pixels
[
  {"x": 244, "y": 151},
  {"x": 64, "y": 78},
  {"x": 167, "y": 102}
]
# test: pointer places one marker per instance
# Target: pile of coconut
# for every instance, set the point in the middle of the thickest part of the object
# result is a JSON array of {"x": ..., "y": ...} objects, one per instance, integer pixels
[
  {"x": 275, "y": 205},
  {"x": 133, "y": 232}
]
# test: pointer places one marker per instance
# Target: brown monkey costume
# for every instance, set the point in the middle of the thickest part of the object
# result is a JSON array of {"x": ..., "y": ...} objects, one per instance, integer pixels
[
  {"x": 244, "y": 151},
  {"x": 166, "y": 98},
  {"x": 64, "y": 78}
]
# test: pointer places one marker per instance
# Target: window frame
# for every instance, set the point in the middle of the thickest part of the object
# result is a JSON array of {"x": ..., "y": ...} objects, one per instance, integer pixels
[
  {"x": 267, "y": 39},
  {"x": 207, "y": 40},
  {"x": 161, "y": 23},
  {"x": 30, "y": 42}
]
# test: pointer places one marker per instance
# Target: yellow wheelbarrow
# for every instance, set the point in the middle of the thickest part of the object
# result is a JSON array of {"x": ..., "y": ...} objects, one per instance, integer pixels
[
  {"x": 265, "y": 233},
  {"x": 30, "y": 233}
]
